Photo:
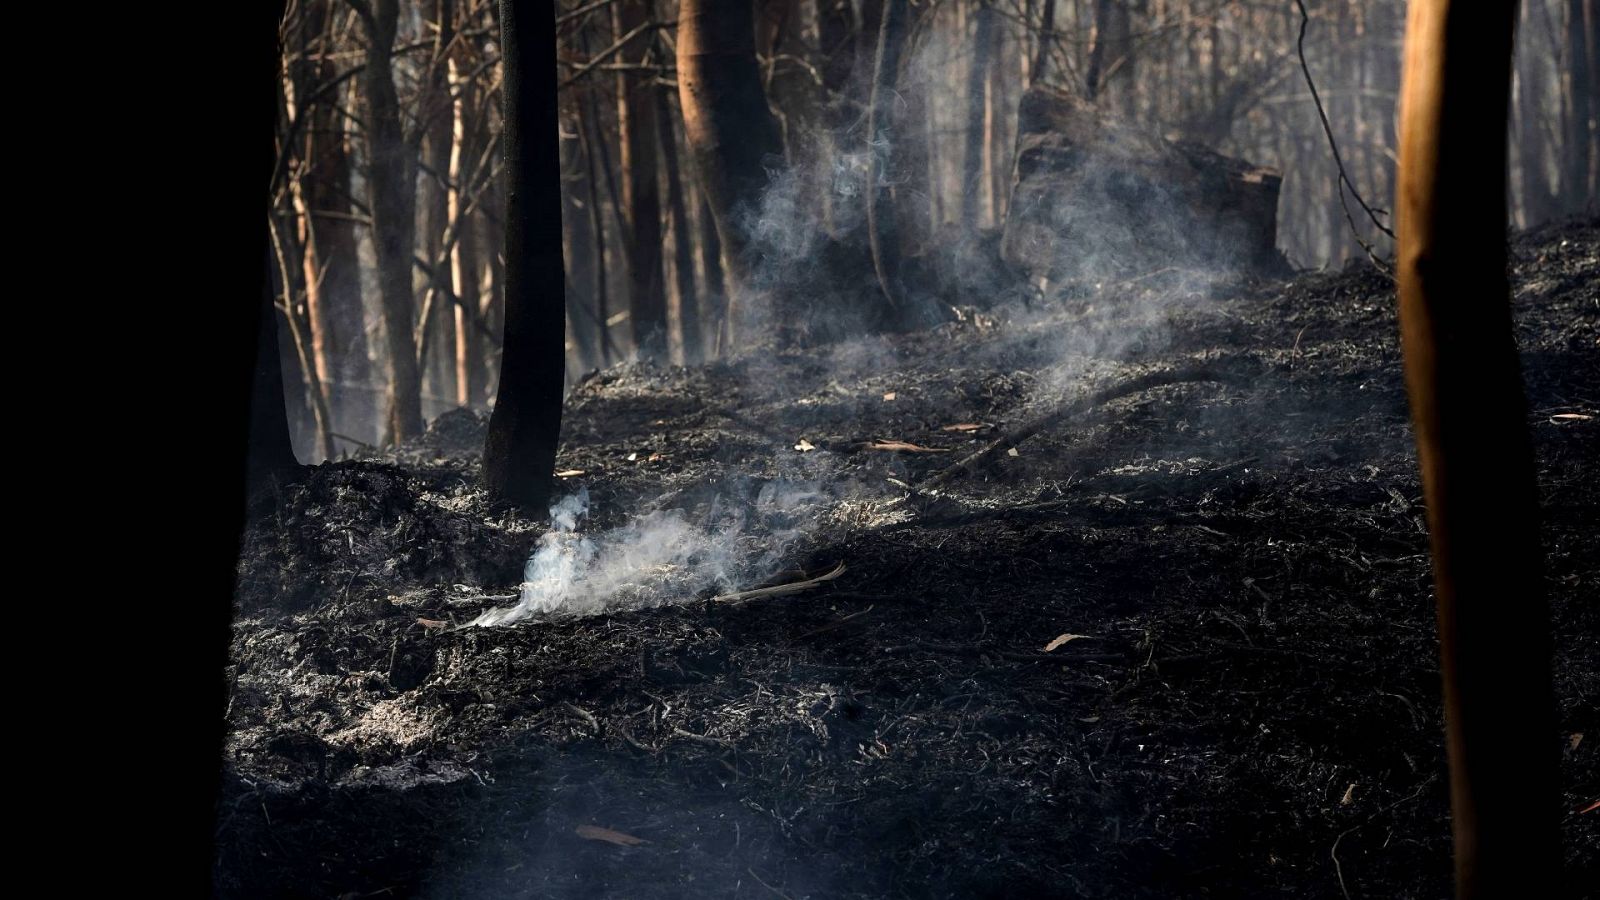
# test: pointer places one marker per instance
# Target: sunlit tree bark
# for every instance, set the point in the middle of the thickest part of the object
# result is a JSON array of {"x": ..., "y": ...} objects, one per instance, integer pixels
[
  {"x": 726, "y": 122},
  {"x": 1468, "y": 410}
]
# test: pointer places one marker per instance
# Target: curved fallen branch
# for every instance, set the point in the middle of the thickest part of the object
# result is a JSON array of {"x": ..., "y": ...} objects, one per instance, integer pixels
[
  {"x": 1232, "y": 371},
  {"x": 779, "y": 590}
]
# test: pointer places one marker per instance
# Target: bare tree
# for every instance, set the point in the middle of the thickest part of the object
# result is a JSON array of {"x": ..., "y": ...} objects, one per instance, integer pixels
[
  {"x": 641, "y": 191},
  {"x": 520, "y": 451},
  {"x": 392, "y": 193}
]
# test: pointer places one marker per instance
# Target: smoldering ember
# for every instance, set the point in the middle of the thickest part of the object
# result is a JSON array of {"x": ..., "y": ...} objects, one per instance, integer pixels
[{"x": 921, "y": 448}]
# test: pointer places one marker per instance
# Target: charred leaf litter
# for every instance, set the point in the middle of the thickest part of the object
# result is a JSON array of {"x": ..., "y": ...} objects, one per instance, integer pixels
[{"x": 1251, "y": 708}]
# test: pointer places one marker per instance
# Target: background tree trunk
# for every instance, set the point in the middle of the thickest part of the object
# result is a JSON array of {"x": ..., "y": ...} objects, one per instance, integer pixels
[
  {"x": 689, "y": 322},
  {"x": 464, "y": 282},
  {"x": 391, "y": 184},
  {"x": 520, "y": 451},
  {"x": 726, "y": 122},
  {"x": 1468, "y": 410},
  {"x": 972, "y": 179},
  {"x": 641, "y": 191}
]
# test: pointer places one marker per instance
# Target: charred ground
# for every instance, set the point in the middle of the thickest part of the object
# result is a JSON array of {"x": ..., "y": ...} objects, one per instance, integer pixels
[{"x": 1254, "y": 710}]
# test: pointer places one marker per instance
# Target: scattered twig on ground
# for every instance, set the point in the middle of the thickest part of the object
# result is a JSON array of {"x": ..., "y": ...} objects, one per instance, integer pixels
[{"x": 1138, "y": 384}]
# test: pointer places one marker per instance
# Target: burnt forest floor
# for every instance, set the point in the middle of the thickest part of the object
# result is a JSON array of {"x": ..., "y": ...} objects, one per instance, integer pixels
[{"x": 1253, "y": 710}]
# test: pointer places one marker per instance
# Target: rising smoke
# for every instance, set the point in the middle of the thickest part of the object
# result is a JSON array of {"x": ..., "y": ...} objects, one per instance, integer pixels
[{"x": 744, "y": 530}]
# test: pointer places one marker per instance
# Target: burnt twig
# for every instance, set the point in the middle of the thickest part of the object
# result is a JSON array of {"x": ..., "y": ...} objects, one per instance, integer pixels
[{"x": 1203, "y": 372}]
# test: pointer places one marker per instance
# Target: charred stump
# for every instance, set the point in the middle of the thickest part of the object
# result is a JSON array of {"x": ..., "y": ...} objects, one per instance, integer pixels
[{"x": 1093, "y": 195}]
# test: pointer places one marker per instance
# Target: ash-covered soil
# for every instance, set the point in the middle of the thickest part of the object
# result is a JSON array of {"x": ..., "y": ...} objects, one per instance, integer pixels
[{"x": 1252, "y": 709}]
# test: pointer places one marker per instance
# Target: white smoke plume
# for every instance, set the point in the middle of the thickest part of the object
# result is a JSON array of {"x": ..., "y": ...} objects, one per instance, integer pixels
[{"x": 659, "y": 557}]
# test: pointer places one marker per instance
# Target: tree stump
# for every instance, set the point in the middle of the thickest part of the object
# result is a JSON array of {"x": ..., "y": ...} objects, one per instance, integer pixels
[{"x": 1093, "y": 196}]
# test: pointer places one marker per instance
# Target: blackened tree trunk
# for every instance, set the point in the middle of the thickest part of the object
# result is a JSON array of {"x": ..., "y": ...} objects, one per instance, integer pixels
[
  {"x": 1469, "y": 414},
  {"x": 1041, "y": 57},
  {"x": 1576, "y": 186},
  {"x": 391, "y": 182},
  {"x": 641, "y": 192},
  {"x": 519, "y": 454},
  {"x": 597, "y": 229},
  {"x": 973, "y": 175},
  {"x": 881, "y": 236},
  {"x": 689, "y": 324},
  {"x": 253, "y": 444},
  {"x": 726, "y": 122}
]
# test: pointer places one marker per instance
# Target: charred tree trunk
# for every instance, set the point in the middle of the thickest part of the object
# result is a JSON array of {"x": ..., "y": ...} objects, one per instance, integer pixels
[
  {"x": 1041, "y": 59},
  {"x": 578, "y": 251},
  {"x": 726, "y": 122},
  {"x": 1095, "y": 73},
  {"x": 880, "y": 222},
  {"x": 519, "y": 453},
  {"x": 972, "y": 179},
  {"x": 1537, "y": 200},
  {"x": 1468, "y": 410},
  {"x": 1576, "y": 184},
  {"x": 689, "y": 324},
  {"x": 641, "y": 191},
  {"x": 713, "y": 280},
  {"x": 391, "y": 184},
  {"x": 597, "y": 226},
  {"x": 253, "y": 443}
]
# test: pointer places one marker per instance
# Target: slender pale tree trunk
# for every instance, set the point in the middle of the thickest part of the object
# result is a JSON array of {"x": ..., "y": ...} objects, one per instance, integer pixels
[
  {"x": 519, "y": 453},
  {"x": 1469, "y": 414},
  {"x": 469, "y": 376}
]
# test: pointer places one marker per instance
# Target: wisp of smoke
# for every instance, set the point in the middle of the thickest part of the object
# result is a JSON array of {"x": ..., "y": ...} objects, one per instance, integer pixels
[{"x": 659, "y": 557}]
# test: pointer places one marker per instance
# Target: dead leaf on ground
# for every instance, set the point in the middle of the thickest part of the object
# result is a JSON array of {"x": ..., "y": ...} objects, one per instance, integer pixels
[
  {"x": 632, "y": 457},
  {"x": 431, "y": 623},
  {"x": 1062, "y": 639},
  {"x": 805, "y": 446},
  {"x": 903, "y": 447},
  {"x": 1349, "y": 795},
  {"x": 964, "y": 427},
  {"x": 1590, "y": 808},
  {"x": 1566, "y": 418},
  {"x": 1013, "y": 452},
  {"x": 1574, "y": 741},
  {"x": 596, "y": 833},
  {"x": 889, "y": 395},
  {"x": 570, "y": 473}
]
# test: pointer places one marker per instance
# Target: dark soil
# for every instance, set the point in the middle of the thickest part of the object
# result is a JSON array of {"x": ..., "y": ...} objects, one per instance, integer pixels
[{"x": 1253, "y": 713}]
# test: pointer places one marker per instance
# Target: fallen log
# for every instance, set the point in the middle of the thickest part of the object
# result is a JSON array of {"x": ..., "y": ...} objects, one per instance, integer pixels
[{"x": 1233, "y": 371}]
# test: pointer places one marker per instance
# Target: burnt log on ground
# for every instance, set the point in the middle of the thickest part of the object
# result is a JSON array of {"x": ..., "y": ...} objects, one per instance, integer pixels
[{"x": 1094, "y": 196}]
